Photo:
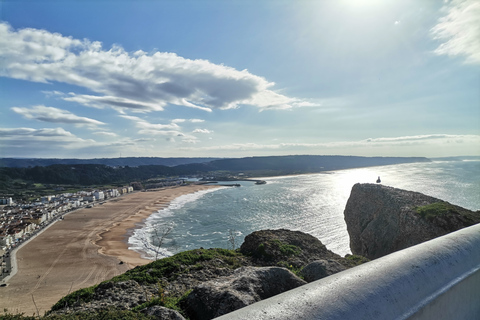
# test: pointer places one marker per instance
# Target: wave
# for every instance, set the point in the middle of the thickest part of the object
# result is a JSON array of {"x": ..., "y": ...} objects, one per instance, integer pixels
[{"x": 143, "y": 239}]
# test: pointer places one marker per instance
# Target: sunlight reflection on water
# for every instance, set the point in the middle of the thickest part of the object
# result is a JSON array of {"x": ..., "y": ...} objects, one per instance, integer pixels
[{"x": 309, "y": 203}]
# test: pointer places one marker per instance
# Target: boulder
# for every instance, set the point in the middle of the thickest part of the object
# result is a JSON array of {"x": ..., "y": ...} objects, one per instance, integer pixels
[
  {"x": 163, "y": 313},
  {"x": 381, "y": 220},
  {"x": 284, "y": 247},
  {"x": 246, "y": 286},
  {"x": 320, "y": 269}
]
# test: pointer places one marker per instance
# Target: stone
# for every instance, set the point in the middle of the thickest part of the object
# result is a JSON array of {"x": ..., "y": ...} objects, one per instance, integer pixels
[
  {"x": 274, "y": 247},
  {"x": 163, "y": 313},
  {"x": 320, "y": 269},
  {"x": 246, "y": 286}
]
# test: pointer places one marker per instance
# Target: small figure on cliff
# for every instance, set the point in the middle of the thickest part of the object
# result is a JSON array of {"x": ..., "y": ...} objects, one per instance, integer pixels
[{"x": 378, "y": 180}]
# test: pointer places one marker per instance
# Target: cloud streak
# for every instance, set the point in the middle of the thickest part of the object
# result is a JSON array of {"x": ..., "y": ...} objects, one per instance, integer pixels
[
  {"x": 28, "y": 139},
  {"x": 170, "y": 130},
  {"x": 419, "y": 140},
  {"x": 55, "y": 115},
  {"x": 459, "y": 29},
  {"x": 137, "y": 81}
]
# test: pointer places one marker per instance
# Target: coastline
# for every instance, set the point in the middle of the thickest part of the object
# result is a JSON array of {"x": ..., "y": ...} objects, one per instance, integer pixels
[
  {"x": 114, "y": 241},
  {"x": 84, "y": 249}
]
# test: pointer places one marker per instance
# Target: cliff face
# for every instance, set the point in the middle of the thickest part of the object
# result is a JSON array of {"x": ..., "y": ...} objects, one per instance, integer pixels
[{"x": 381, "y": 220}]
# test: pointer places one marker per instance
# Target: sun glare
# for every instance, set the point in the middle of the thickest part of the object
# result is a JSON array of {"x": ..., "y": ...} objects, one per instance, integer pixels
[{"x": 364, "y": 3}]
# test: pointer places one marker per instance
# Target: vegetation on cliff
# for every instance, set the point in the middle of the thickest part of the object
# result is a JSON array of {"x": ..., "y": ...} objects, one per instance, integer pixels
[{"x": 444, "y": 210}]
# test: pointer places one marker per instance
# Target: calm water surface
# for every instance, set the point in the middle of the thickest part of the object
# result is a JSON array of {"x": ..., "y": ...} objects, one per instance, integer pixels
[{"x": 311, "y": 203}]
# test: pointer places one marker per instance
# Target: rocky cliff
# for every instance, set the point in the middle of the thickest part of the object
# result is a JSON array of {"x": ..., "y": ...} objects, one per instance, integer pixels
[
  {"x": 381, "y": 219},
  {"x": 207, "y": 283}
]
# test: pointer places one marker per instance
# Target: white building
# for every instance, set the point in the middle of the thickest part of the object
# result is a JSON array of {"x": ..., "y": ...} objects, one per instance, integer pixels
[
  {"x": 7, "y": 201},
  {"x": 99, "y": 195},
  {"x": 113, "y": 193}
]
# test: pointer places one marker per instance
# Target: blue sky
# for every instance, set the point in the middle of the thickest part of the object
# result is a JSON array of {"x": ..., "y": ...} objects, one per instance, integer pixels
[{"x": 90, "y": 79}]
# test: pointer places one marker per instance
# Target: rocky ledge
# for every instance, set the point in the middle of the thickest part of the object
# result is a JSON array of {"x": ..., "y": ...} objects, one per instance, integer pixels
[
  {"x": 207, "y": 283},
  {"x": 381, "y": 220}
]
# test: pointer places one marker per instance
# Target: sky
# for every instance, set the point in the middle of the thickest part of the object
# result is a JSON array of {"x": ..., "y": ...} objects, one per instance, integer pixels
[{"x": 204, "y": 78}]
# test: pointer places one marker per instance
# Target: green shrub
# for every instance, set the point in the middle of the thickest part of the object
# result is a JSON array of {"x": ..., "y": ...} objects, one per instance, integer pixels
[
  {"x": 79, "y": 296},
  {"x": 434, "y": 209},
  {"x": 108, "y": 314},
  {"x": 355, "y": 260},
  {"x": 173, "y": 266},
  {"x": 18, "y": 316},
  {"x": 287, "y": 249},
  {"x": 292, "y": 268}
]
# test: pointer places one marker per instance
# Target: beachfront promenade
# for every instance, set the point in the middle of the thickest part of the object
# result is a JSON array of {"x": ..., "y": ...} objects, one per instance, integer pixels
[{"x": 83, "y": 249}]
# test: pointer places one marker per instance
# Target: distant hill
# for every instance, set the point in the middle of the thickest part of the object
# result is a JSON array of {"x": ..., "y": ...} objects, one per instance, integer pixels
[
  {"x": 304, "y": 163},
  {"x": 89, "y": 174},
  {"x": 460, "y": 158},
  {"x": 111, "y": 162}
]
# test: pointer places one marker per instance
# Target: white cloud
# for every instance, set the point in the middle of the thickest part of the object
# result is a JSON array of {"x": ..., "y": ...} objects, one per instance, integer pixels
[
  {"x": 118, "y": 103},
  {"x": 138, "y": 81},
  {"x": 187, "y": 120},
  {"x": 459, "y": 29},
  {"x": 29, "y": 132},
  {"x": 171, "y": 129},
  {"x": 30, "y": 139},
  {"x": 202, "y": 131},
  {"x": 55, "y": 115},
  {"x": 58, "y": 142},
  {"x": 106, "y": 133}
]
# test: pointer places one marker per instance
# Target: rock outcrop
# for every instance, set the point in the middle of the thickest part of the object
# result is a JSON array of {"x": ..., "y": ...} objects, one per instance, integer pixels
[
  {"x": 290, "y": 248},
  {"x": 163, "y": 313},
  {"x": 246, "y": 286},
  {"x": 320, "y": 269},
  {"x": 381, "y": 220}
]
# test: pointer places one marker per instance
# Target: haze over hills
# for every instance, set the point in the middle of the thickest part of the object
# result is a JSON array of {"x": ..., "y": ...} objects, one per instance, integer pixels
[
  {"x": 306, "y": 163},
  {"x": 112, "y": 162},
  {"x": 292, "y": 162},
  {"x": 127, "y": 169}
]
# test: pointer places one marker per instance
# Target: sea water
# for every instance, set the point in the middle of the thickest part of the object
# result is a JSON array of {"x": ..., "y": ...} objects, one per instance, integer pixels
[{"x": 311, "y": 203}]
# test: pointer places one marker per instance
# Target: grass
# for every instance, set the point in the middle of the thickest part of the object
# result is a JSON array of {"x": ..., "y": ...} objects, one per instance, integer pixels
[
  {"x": 171, "y": 267},
  {"x": 164, "y": 301},
  {"x": 79, "y": 296},
  {"x": 355, "y": 260},
  {"x": 287, "y": 249},
  {"x": 433, "y": 210},
  {"x": 108, "y": 314}
]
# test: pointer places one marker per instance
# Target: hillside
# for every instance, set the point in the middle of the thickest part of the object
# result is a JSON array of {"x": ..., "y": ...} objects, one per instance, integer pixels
[
  {"x": 305, "y": 163},
  {"x": 111, "y": 162},
  {"x": 91, "y": 173}
]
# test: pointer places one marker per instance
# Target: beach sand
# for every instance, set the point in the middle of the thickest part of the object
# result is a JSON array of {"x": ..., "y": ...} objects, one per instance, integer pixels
[{"x": 82, "y": 250}]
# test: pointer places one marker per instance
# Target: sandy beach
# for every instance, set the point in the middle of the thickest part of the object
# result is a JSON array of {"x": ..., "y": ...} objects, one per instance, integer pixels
[{"x": 82, "y": 250}]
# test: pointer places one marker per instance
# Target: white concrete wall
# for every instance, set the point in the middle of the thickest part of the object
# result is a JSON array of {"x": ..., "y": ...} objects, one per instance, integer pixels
[{"x": 438, "y": 279}]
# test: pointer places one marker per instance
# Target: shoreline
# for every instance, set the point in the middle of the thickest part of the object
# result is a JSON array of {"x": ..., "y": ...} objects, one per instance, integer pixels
[{"x": 84, "y": 249}]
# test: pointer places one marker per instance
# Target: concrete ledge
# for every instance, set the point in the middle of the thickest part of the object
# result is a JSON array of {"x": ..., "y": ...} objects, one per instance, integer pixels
[{"x": 438, "y": 279}]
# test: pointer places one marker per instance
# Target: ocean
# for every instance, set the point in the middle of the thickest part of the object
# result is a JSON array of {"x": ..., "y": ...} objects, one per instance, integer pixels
[{"x": 311, "y": 203}]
